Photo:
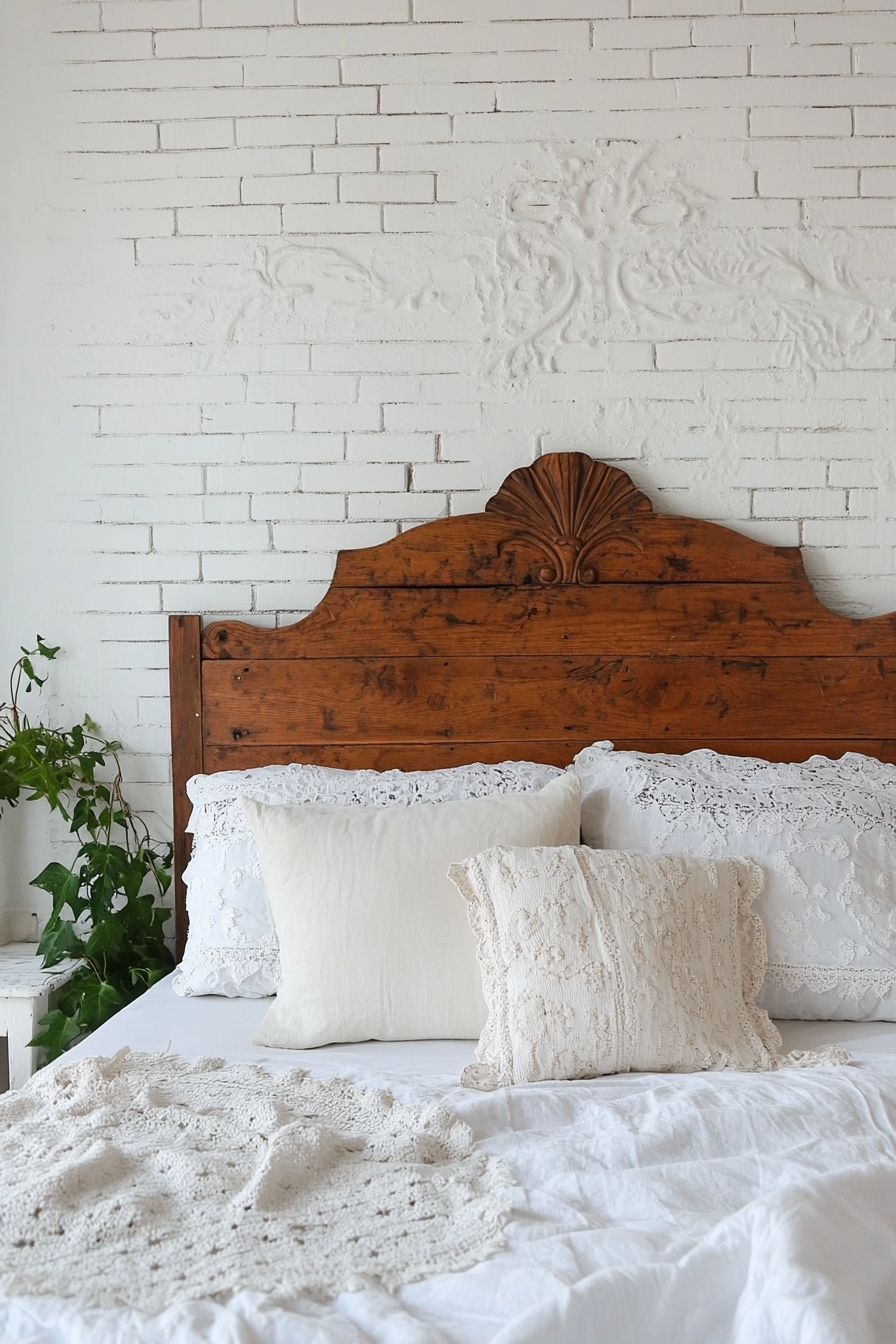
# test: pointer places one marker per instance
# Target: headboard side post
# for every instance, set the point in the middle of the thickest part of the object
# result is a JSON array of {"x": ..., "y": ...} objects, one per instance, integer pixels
[{"x": 185, "y": 682}]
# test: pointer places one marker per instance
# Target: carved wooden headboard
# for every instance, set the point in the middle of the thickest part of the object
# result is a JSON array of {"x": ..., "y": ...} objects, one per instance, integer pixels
[{"x": 568, "y": 611}]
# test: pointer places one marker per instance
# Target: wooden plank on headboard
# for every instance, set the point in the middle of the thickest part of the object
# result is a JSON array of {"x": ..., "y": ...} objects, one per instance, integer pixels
[
  {"x": 707, "y": 619},
  {"x": 553, "y": 751},
  {"x": 514, "y": 698},
  {"x": 655, "y": 549}
]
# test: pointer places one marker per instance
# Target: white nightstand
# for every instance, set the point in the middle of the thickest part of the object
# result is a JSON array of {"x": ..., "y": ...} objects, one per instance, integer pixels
[{"x": 25, "y": 993}]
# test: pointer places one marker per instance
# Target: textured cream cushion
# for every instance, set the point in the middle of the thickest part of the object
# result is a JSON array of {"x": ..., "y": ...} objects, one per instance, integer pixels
[
  {"x": 604, "y": 961},
  {"x": 374, "y": 940}
]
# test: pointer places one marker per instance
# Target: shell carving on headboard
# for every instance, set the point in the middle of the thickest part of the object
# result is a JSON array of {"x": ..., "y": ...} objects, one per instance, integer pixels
[{"x": 567, "y": 506}]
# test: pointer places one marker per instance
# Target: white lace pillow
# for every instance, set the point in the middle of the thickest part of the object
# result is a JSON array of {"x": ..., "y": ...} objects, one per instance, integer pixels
[
  {"x": 232, "y": 947},
  {"x": 824, "y": 833},
  {"x": 602, "y": 961},
  {"x": 374, "y": 942}
]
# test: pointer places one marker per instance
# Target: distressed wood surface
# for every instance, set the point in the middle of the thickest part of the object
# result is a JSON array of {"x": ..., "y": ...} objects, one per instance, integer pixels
[
  {"x": 184, "y": 669},
  {"x": 712, "y": 619},
  {"x": 566, "y": 519},
  {"x": 558, "y": 751},
  {"x": 567, "y": 612},
  {"x": 463, "y": 553},
  {"x": 518, "y": 698}
]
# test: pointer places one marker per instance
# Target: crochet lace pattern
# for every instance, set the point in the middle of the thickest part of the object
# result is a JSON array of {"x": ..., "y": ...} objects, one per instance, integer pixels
[
  {"x": 825, "y": 831},
  {"x": 142, "y": 1180}
]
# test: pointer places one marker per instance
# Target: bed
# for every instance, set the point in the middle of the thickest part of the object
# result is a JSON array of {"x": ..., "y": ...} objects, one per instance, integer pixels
[{"x": 647, "y": 1207}]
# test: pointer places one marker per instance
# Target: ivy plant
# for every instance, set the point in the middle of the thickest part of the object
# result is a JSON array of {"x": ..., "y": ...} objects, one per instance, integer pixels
[{"x": 107, "y": 910}]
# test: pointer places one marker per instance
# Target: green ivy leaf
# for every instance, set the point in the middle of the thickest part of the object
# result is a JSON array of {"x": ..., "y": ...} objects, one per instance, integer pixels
[
  {"x": 9, "y": 786},
  {"x": 108, "y": 939},
  {"x": 54, "y": 879},
  {"x": 68, "y": 1000},
  {"x": 60, "y": 1031},
  {"x": 32, "y": 678},
  {"x": 147, "y": 976},
  {"x": 160, "y": 917},
  {"x": 60, "y": 941},
  {"x": 80, "y": 813},
  {"x": 100, "y": 1000},
  {"x": 64, "y": 886}
]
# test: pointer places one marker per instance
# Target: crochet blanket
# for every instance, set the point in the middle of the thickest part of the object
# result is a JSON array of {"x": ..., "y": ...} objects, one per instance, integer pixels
[{"x": 142, "y": 1180}]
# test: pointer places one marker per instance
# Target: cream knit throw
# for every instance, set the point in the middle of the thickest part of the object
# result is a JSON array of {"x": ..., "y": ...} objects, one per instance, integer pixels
[{"x": 142, "y": 1180}]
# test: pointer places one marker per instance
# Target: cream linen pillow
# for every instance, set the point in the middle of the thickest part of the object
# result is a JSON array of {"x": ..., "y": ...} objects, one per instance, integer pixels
[
  {"x": 374, "y": 942},
  {"x": 603, "y": 961},
  {"x": 231, "y": 945}
]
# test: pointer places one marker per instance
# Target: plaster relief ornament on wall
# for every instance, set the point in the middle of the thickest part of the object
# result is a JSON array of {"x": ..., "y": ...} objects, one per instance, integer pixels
[
  {"x": 293, "y": 285},
  {"x": 620, "y": 242}
]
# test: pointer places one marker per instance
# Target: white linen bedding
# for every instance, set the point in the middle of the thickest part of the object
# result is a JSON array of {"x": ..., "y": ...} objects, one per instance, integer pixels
[{"x": 663, "y": 1209}]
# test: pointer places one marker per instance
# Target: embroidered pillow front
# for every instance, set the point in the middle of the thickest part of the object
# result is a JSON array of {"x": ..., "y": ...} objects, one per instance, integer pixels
[
  {"x": 602, "y": 961},
  {"x": 824, "y": 833}
]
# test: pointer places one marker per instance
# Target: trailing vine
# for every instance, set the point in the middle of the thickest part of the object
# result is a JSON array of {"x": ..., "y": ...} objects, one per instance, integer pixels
[{"x": 107, "y": 910}]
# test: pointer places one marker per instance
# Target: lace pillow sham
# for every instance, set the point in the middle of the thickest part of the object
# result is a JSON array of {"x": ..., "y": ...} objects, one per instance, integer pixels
[
  {"x": 601, "y": 961},
  {"x": 824, "y": 833},
  {"x": 374, "y": 942},
  {"x": 232, "y": 947}
]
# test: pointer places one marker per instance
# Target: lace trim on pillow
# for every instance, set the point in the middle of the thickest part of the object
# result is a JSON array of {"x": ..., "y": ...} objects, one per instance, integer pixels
[
  {"x": 219, "y": 820},
  {"x": 494, "y": 1043},
  {"x": 229, "y": 970},
  {"x": 850, "y": 982},
  {"x": 754, "y": 954},
  {"x": 703, "y": 788}
]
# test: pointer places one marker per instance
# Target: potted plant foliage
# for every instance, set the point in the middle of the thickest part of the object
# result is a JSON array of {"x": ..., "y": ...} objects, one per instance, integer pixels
[{"x": 107, "y": 910}]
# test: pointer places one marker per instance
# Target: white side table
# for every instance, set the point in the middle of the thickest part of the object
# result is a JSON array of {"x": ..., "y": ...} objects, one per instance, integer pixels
[{"x": 25, "y": 993}]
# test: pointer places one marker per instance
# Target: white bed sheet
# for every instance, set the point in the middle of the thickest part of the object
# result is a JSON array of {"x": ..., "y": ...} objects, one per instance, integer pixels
[
  {"x": 650, "y": 1209},
  {"x": 210, "y": 1025},
  {"x": 192, "y": 1027}
]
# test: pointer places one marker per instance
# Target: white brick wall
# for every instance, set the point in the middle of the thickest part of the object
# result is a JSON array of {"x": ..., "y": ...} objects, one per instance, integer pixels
[{"x": 306, "y": 244}]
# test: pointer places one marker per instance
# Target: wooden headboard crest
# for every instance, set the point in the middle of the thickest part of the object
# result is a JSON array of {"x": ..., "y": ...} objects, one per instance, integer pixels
[
  {"x": 566, "y": 612},
  {"x": 569, "y": 506}
]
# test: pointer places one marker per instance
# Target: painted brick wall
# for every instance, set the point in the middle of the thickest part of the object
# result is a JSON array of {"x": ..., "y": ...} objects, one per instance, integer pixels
[{"x": 333, "y": 267}]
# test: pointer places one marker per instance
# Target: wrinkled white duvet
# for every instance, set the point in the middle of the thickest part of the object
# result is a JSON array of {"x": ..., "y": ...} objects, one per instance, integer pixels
[{"x": 702, "y": 1209}]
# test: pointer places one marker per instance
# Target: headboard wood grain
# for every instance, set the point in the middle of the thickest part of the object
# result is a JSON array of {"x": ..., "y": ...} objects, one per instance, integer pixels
[{"x": 567, "y": 612}]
